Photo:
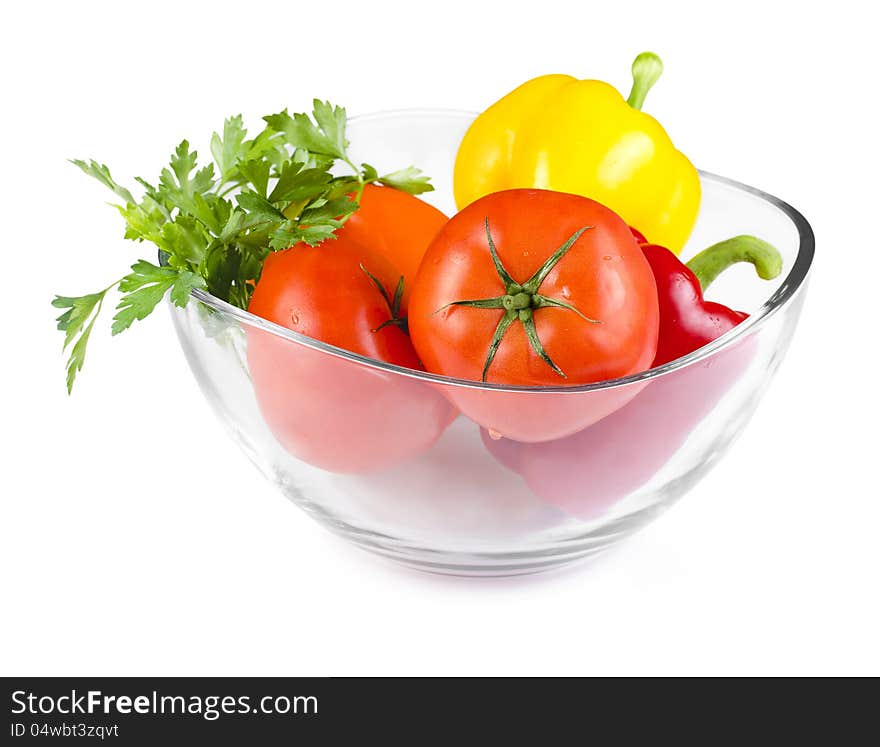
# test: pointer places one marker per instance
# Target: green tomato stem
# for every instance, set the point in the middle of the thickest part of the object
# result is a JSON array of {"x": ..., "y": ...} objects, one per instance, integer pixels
[
  {"x": 520, "y": 300},
  {"x": 711, "y": 262},
  {"x": 646, "y": 70}
]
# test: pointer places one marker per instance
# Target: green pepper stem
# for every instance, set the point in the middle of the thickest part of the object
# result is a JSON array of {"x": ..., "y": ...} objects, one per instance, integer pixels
[
  {"x": 646, "y": 69},
  {"x": 711, "y": 262}
]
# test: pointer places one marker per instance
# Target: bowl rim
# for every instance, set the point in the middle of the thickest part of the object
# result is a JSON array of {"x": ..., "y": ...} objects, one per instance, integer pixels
[{"x": 780, "y": 298}]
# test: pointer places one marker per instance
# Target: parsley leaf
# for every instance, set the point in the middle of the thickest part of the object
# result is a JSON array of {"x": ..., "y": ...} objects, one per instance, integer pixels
[
  {"x": 300, "y": 132},
  {"x": 185, "y": 239},
  {"x": 77, "y": 322},
  {"x": 369, "y": 172},
  {"x": 317, "y": 234},
  {"x": 409, "y": 180},
  {"x": 259, "y": 206},
  {"x": 332, "y": 120},
  {"x": 330, "y": 213},
  {"x": 145, "y": 286},
  {"x": 143, "y": 222},
  {"x": 228, "y": 150},
  {"x": 295, "y": 184},
  {"x": 256, "y": 172},
  {"x": 215, "y": 224},
  {"x": 102, "y": 174},
  {"x": 182, "y": 186}
]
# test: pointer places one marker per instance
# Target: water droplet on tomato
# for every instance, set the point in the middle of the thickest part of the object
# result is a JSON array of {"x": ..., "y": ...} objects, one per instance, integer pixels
[
  {"x": 606, "y": 257},
  {"x": 294, "y": 319},
  {"x": 493, "y": 434},
  {"x": 566, "y": 291}
]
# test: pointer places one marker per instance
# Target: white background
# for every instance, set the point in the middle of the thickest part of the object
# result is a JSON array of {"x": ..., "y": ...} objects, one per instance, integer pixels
[{"x": 136, "y": 539}]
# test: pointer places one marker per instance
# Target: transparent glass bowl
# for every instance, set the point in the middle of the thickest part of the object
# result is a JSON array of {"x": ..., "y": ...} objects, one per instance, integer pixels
[{"x": 379, "y": 454}]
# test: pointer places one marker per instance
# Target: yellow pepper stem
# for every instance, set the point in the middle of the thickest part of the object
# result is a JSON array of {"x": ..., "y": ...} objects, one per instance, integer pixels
[{"x": 646, "y": 69}]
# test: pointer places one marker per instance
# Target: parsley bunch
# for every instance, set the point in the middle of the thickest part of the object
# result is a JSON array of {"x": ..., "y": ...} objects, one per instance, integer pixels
[{"x": 284, "y": 192}]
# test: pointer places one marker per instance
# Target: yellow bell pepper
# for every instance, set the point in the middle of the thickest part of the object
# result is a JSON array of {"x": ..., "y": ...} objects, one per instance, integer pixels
[{"x": 581, "y": 136}]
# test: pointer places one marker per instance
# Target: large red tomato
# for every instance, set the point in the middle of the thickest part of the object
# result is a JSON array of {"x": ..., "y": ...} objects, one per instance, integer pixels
[
  {"x": 337, "y": 414},
  {"x": 397, "y": 226},
  {"x": 533, "y": 288}
]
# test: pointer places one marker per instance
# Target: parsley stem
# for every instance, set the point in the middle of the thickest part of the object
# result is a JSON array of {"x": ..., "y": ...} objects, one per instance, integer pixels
[
  {"x": 354, "y": 168},
  {"x": 359, "y": 175},
  {"x": 229, "y": 189},
  {"x": 110, "y": 287}
]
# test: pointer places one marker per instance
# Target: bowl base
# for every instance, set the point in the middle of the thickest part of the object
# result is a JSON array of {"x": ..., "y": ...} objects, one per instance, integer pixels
[
  {"x": 496, "y": 563},
  {"x": 548, "y": 555},
  {"x": 483, "y": 565}
]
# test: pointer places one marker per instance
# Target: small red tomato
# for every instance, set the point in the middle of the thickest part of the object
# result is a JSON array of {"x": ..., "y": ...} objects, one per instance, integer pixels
[
  {"x": 327, "y": 292},
  {"x": 334, "y": 413}
]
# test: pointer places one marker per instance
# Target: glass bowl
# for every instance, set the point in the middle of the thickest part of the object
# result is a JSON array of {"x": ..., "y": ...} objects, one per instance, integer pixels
[{"x": 380, "y": 455}]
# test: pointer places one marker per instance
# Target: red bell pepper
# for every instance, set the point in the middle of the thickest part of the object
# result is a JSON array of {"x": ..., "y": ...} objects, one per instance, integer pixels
[
  {"x": 687, "y": 321},
  {"x": 588, "y": 472}
]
